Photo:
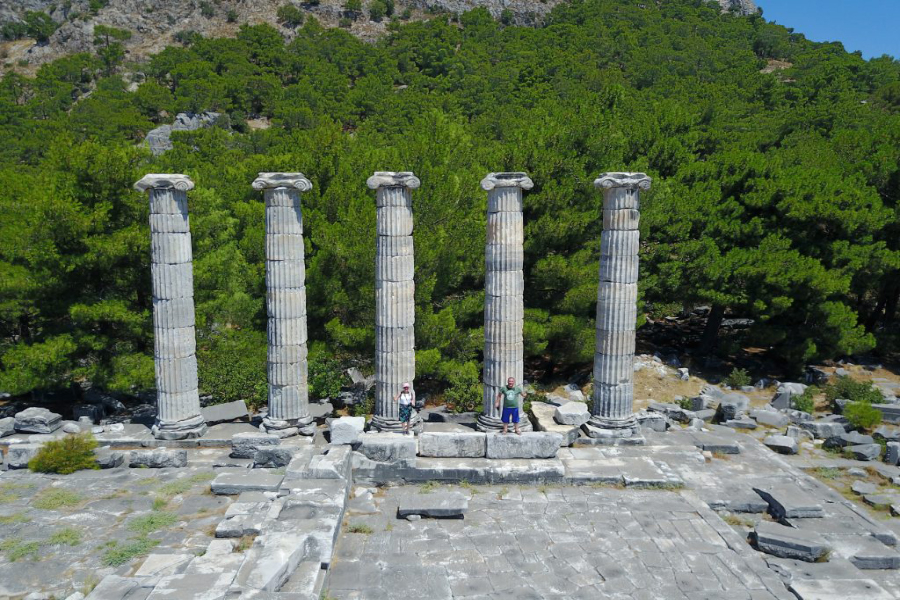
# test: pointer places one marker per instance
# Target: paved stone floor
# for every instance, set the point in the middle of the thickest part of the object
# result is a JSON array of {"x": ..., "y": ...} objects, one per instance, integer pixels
[{"x": 539, "y": 542}]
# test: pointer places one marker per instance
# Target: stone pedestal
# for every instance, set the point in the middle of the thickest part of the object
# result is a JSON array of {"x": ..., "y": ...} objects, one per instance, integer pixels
[
  {"x": 286, "y": 305},
  {"x": 178, "y": 401},
  {"x": 612, "y": 419},
  {"x": 504, "y": 305},
  {"x": 395, "y": 317}
]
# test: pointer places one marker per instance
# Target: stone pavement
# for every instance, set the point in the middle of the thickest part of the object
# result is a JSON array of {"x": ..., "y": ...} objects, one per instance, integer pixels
[{"x": 548, "y": 542}]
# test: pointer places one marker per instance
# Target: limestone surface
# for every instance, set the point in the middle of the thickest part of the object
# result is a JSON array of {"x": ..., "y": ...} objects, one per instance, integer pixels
[
  {"x": 452, "y": 444},
  {"x": 37, "y": 420},
  {"x": 346, "y": 430},
  {"x": 537, "y": 444}
]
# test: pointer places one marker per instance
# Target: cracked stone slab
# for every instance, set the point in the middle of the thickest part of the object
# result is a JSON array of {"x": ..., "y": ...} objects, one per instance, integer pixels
[
  {"x": 452, "y": 444},
  {"x": 839, "y": 589},
  {"x": 532, "y": 444},
  {"x": 787, "y": 542},
  {"x": 787, "y": 501},
  {"x": 251, "y": 481},
  {"x": 438, "y": 504}
]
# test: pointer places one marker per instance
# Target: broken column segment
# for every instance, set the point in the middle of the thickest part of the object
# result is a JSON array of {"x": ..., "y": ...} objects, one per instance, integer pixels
[
  {"x": 286, "y": 305},
  {"x": 612, "y": 419},
  {"x": 178, "y": 401},
  {"x": 504, "y": 287},
  {"x": 395, "y": 355}
]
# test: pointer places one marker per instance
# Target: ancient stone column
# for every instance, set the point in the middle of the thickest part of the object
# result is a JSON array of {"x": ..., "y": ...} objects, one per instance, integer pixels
[
  {"x": 395, "y": 315},
  {"x": 504, "y": 287},
  {"x": 613, "y": 420},
  {"x": 178, "y": 401},
  {"x": 286, "y": 305}
]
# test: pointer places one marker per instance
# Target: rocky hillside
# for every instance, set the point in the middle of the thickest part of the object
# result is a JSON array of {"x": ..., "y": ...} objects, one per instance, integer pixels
[{"x": 156, "y": 24}]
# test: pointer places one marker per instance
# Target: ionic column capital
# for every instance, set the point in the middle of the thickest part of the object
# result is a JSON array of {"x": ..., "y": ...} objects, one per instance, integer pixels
[
  {"x": 632, "y": 181},
  {"x": 381, "y": 179},
  {"x": 510, "y": 179},
  {"x": 269, "y": 181},
  {"x": 156, "y": 181}
]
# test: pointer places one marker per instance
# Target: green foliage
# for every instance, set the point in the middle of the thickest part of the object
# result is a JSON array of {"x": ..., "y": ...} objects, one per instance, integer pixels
[
  {"x": 39, "y": 25},
  {"x": 14, "y": 519},
  {"x": 56, "y": 498},
  {"x": 233, "y": 367},
  {"x": 742, "y": 216},
  {"x": 377, "y": 10},
  {"x": 738, "y": 378},
  {"x": 231, "y": 16},
  {"x": 364, "y": 408},
  {"x": 465, "y": 392},
  {"x": 108, "y": 42},
  {"x": 855, "y": 391},
  {"x": 13, "y": 30},
  {"x": 805, "y": 402},
  {"x": 71, "y": 453},
  {"x": 862, "y": 415},
  {"x": 326, "y": 377},
  {"x": 207, "y": 10},
  {"x": 94, "y": 6},
  {"x": 289, "y": 15}
]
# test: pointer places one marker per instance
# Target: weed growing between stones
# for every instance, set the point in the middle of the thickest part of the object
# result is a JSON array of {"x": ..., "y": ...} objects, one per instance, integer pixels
[
  {"x": 827, "y": 472},
  {"x": 243, "y": 544},
  {"x": 68, "y": 536},
  {"x": 70, "y": 454},
  {"x": 147, "y": 524},
  {"x": 180, "y": 486},
  {"x": 15, "y": 549},
  {"x": 736, "y": 521},
  {"x": 428, "y": 487},
  {"x": 502, "y": 492},
  {"x": 8, "y": 491},
  {"x": 360, "y": 528},
  {"x": 117, "y": 555},
  {"x": 55, "y": 498},
  {"x": 14, "y": 519},
  {"x": 90, "y": 582},
  {"x": 738, "y": 378},
  {"x": 159, "y": 503},
  {"x": 468, "y": 486}
]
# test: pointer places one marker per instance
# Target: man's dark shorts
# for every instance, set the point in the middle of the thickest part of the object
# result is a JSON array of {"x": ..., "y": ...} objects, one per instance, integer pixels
[{"x": 510, "y": 415}]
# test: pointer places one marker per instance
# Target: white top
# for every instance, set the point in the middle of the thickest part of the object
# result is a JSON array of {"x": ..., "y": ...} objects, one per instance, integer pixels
[{"x": 405, "y": 398}]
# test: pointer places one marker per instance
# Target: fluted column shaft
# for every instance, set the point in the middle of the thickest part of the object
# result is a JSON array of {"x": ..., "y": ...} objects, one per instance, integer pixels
[
  {"x": 287, "y": 367},
  {"x": 395, "y": 351},
  {"x": 178, "y": 400},
  {"x": 504, "y": 287},
  {"x": 613, "y": 396}
]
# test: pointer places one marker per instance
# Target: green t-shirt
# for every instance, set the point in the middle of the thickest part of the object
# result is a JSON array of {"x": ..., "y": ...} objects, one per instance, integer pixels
[{"x": 511, "y": 396}]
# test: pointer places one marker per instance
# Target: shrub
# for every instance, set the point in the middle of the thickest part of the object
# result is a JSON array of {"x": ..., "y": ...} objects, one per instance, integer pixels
[
  {"x": 805, "y": 402},
  {"x": 852, "y": 390},
  {"x": 406, "y": 14},
  {"x": 289, "y": 15},
  {"x": 231, "y": 16},
  {"x": 377, "y": 10},
  {"x": 353, "y": 6},
  {"x": 862, "y": 415},
  {"x": 70, "y": 454},
  {"x": 232, "y": 366},
  {"x": 40, "y": 25},
  {"x": 365, "y": 408},
  {"x": 325, "y": 376},
  {"x": 506, "y": 16},
  {"x": 465, "y": 393},
  {"x": 13, "y": 30},
  {"x": 738, "y": 378},
  {"x": 345, "y": 23},
  {"x": 207, "y": 10}
]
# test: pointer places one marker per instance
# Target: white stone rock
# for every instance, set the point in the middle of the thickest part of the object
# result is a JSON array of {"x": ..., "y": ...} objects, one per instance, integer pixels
[
  {"x": 452, "y": 444},
  {"x": 572, "y": 413},
  {"x": 346, "y": 430},
  {"x": 387, "y": 447},
  {"x": 526, "y": 445}
]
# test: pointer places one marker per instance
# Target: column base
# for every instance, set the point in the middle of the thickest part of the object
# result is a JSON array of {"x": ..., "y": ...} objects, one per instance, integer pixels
[
  {"x": 488, "y": 424},
  {"x": 614, "y": 432},
  {"x": 289, "y": 427},
  {"x": 386, "y": 425},
  {"x": 179, "y": 430}
]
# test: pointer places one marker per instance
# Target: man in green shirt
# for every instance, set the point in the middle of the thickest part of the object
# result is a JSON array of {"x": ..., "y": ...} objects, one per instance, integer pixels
[{"x": 510, "y": 397}]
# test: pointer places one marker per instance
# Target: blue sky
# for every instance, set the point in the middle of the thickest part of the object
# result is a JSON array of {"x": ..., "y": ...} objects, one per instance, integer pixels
[{"x": 870, "y": 26}]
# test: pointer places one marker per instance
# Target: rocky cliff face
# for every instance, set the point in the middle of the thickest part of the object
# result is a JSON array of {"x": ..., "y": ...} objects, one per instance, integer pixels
[{"x": 154, "y": 23}]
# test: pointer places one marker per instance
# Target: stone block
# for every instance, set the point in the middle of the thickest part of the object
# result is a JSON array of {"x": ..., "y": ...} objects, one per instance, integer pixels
[
  {"x": 572, "y": 413},
  {"x": 503, "y": 332},
  {"x": 527, "y": 445},
  {"x": 37, "y": 420},
  {"x": 286, "y": 332},
  {"x": 272, "y": 559},
  {"x": 452, "y": 444},
  {"x": 852, "y": 438},
  {"x": 346, "y": 430},
  {"x": 284, "y": 246},
  {"x": 333, "y": 465},
  {"x": 18, "y": 455},
  {"x": 890, "y": 413},
  {"x": 172, "y": 281},
  {"x": 543, "y": 414},
  {"x": 713, "y": 443},
  {"x": 742, "y": 423},
  {"x": 787, "y": 501},
  {"x": 504, "y": 283},
  {"x": 706, "y": 414},
  {"x": 158, "y": 458},
  {"x": 285, "y": 274},
  {"x": 620, "y": 269},
  {"x": 107, "y": 458},
  {"x": 447, "y": 505},
  {"x": 387, "y": 447},
  {"x": 870, "y": 554},
  {"x": 771, "y": 418},
  {"x": 781, "y": 444},
  {"x": 236, "y": 526},
  {"x": 245, "y": 445},
  {"x": 94, "y": 412},
  {"x": 786, "y": 542},
  {"x": 167, "y": 223},
  {"x": 822, "y": 430},
  {"x": 839, "y": 589},
  {"x": 394, "y": 221},
  {"x": 156, "y": 565},
  {"x": 284, "y": 219},
  {"x": 863, "y": 488},
  {"x": 892, "y": 456},
  {"x": 865, "y": 451},
  {"x": 272, "y": 457},
  {"x": 879, "y": 500},
  {"x": 619, "y": 242},
  {"x": 228, "y": 411},
  {"x": 249, "y": 481},
  {"x": 7, "y": 426},
  {"x": 113, "y": 587},
  {"x": 785, "y": 392}
]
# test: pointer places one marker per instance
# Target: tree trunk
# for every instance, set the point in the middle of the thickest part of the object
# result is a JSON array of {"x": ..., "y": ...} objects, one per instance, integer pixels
[{"x": 711, "y": 334}]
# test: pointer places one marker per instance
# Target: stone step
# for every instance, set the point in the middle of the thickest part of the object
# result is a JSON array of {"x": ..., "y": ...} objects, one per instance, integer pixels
[
  {"x": 438, "y": 504},
  {"x": 787, "y": 501},
  {"x": 255, "y": 480},
  {"x": 786, "y": 542}
]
